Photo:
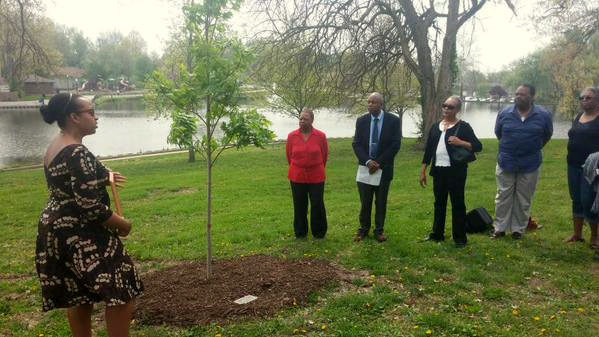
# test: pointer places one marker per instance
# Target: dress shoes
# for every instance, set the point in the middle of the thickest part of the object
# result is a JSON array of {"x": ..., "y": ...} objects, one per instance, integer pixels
[
  {"x": 432, "y": 238},
  {"x": 516, "y": 235},
  {"x": 380, "y": 237},
  {"x": 497, "y": 235},
  {"x": 359, "y": 237}
]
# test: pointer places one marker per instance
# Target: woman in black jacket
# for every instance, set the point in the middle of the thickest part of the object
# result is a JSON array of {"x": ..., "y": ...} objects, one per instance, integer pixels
[{"x": 448, "y": 171}]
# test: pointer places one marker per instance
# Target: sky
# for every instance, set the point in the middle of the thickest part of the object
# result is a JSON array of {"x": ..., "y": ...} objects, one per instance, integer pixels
[{"x": 499, "y": 39}]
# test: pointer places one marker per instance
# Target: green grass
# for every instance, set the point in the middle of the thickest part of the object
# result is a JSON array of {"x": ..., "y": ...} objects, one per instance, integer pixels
[{"x": 536, "y": 286}]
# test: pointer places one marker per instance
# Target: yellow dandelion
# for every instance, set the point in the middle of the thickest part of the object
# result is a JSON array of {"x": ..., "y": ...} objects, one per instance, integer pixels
[
  {"x": 537, "y": 318},
  {"x": 416, "y": 327},
  {"x": 552, "y": 317},
  {"x": 581, "y": 310},
  {"x": 218, "y": 335},
  {"x": 429, "y": 332},
  {"x": 515, "y": 312},
  {"x": 323, "y": 327}
]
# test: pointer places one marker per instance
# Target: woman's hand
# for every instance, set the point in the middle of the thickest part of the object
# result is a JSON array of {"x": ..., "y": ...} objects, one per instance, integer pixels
[
  {"x": 423, "y": 176},
  {"x": 118, "y": 223},
  {"x": 119, "y": 179},
  {"x": 453, "y": 140}
]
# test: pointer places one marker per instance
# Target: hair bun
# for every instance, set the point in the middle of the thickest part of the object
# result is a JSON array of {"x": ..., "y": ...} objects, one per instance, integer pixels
[{"x": 48, "y": 115}]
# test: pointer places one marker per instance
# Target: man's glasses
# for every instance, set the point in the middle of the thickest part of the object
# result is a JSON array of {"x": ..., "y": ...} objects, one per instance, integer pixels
[
  {"x": 448, "y": 107},
  {"x": 585, "y": 98}
]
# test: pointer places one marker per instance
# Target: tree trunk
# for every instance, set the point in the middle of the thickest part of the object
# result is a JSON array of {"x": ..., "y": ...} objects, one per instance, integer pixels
[
  {"x": 192, "y": 155},
  {"x": 209, "y": 182}
]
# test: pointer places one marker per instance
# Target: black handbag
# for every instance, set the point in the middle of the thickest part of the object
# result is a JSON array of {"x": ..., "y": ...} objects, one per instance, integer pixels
[{"x": 460, "y": 154}]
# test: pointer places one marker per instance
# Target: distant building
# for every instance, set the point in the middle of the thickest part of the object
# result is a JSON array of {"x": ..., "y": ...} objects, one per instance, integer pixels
[
  {"x": 37, "y": 85},
  {"x": 69, "y": 78}
]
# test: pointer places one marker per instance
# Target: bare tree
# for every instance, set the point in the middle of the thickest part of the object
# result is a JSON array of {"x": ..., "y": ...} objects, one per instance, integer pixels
[
  {"x": 378, "y": 33},
  {"x": 20, "y": 47}
]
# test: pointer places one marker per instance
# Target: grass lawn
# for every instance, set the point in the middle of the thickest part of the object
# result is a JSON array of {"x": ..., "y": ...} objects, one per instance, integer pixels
[{"x": 535, "y": 286}]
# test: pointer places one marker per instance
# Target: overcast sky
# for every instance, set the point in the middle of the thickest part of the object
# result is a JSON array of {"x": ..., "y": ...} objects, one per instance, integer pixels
[{"x": 500, "y": 38}]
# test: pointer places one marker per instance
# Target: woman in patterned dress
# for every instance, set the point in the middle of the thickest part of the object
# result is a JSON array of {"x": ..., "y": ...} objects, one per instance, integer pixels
[{"x": 80, "y": 258}]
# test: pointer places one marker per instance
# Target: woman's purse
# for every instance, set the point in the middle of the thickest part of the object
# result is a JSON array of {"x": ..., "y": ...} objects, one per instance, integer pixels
[{"x": 460, "y": 154}]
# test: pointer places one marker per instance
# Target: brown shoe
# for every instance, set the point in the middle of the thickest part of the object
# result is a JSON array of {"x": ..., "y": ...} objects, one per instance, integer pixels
[
  {"x": 381, "y": 238},
  {"x": 533, "y": 225},
  {"x": 359, "y": 237}
]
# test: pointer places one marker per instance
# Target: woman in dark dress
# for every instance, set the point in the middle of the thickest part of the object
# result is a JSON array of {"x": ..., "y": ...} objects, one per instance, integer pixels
[
  {"x": 583, "y": 139},
  {"x": 449, "y": 176},
  {"x": 80, "y": 258}
]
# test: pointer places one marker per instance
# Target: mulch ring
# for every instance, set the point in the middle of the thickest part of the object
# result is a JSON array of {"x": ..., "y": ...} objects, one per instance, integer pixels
[{"x": 181, "y": 296}]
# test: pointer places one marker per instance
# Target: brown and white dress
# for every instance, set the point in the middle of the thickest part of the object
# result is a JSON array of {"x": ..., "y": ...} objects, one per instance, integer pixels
[{"x": 78, "y": 260}]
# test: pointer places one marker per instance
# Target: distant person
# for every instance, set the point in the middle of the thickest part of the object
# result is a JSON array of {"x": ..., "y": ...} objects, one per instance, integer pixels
[
  {"x": 42, "y": 99},
  {"x": 523, "y": 129},
  {"x": 307, "y": 155},
  {"x": 583, "y": 140},
  {"x": 377, "y": 140},
  {"x": 448, "y": 171},
  {"x": 80, "y": 258}
]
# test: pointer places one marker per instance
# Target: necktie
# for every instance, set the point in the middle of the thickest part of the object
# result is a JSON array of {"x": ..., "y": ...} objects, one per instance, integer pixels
[{"x": 375, "y": 137}]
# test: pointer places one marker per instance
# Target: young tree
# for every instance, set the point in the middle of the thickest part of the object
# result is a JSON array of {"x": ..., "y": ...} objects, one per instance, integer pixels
[{"x": 204, "y": 103}]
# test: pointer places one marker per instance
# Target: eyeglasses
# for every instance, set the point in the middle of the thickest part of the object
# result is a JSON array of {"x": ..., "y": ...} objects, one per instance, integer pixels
[
  {"x": 448, "y": 107},
  {"x": 585, "y": 98},
  {"x": 92, "y": 112}
]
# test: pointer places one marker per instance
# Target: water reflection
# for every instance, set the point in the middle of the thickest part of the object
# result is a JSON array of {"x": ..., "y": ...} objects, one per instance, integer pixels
[{"x": 129, "y": 129}]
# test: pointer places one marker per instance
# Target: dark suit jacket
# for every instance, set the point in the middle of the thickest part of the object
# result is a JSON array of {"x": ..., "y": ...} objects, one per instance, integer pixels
[{"x": 389, "y": 142}]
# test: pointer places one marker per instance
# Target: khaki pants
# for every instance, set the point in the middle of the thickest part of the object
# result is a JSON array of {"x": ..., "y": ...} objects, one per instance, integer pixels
[{"x": 514, "y": 199}]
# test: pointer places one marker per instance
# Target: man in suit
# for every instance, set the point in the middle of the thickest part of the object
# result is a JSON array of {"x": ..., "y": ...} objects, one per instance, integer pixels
[{"x": 376, "y": 142}]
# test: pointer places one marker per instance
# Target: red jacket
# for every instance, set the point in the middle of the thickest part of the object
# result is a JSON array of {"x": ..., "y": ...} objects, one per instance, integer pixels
[{"x": 307, "y": 159}]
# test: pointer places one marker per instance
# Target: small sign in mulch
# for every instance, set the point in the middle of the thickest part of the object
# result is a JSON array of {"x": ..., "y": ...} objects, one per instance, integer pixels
[{"x": 181, "y": 295}]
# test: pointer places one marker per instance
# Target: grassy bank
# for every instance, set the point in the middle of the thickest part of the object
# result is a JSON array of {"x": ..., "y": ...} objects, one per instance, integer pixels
[{"x": 536, "y": 286}]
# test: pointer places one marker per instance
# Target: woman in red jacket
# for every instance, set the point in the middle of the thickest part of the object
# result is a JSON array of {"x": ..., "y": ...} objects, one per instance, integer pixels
[{"x": 307, "y": 154}]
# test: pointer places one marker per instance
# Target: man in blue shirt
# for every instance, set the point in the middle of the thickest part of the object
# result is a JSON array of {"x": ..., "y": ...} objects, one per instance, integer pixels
[{"x": 522, "y": 129}]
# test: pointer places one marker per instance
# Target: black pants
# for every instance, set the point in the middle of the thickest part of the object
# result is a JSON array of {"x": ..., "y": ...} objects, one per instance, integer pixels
[
  {"x": 452, "y": 181},
  {"x": 318, "y": 215},
  {"x": 379, "y": 194}
]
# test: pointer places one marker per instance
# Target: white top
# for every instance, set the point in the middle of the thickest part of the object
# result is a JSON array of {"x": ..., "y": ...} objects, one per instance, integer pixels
[{"x": 441, "y": 155}]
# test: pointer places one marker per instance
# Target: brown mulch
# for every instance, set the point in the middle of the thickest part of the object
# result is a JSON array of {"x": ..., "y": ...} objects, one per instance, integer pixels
[{"x": 181, "y": 296}]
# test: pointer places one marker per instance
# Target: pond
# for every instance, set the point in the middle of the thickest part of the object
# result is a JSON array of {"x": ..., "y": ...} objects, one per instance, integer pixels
[{"x": 129, "y": 129}]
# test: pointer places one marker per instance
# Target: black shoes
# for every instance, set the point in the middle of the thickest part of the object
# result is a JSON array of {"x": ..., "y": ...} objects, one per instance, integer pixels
[
  {"x": 432, "y": 238},
  {"x": 516, "y": 235},
  {"x": 497, "y": 235}
]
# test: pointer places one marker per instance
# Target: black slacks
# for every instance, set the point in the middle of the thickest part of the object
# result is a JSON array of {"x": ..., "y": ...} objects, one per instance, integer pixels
[
  {"x": 452, "y": 181},
  {"x": 318, "y": 215},
  {"x": 379, "y": 194}
]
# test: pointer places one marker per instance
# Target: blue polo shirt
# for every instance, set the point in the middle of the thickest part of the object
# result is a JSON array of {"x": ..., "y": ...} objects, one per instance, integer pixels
[{"x": 520, "y": 142}]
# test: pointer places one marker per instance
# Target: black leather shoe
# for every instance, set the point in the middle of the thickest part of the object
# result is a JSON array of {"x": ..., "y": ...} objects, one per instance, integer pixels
[
  {"x": 432, "y": 238},
  {"x": 516, "y": 235},
  {"x": 497, "y": 235}
]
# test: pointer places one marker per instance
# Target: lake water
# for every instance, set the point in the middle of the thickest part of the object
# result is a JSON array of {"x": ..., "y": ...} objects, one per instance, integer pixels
[{"x": 128, "y": 129}]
